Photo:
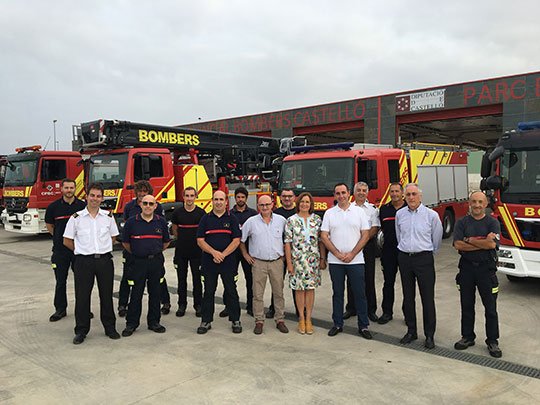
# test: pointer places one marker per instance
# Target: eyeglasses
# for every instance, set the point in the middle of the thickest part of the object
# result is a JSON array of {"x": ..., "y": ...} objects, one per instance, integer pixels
[
  {"x": 150, "y": 203},
  {"x": 287, "y": 196},
  {"x": 265, "y": 205}
]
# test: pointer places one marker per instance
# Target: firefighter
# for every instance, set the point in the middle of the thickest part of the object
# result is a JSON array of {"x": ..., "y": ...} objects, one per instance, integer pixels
[
  {"x": 56, "y": 218},
  {"x": 141, "y": 188},
  {"x": 476, "y": 237},
  {"x": 145, "y": 236}
]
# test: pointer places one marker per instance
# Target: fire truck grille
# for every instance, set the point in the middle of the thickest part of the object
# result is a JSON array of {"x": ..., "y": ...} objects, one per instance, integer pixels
[
  {"x": 530, "y": 231},
  {"x": 15, "y": 205},
  {"x": 108, "y": 204}
]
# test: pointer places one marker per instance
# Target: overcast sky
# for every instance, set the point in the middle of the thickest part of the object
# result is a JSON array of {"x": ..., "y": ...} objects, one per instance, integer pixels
[{"x": 171, "y": 62}]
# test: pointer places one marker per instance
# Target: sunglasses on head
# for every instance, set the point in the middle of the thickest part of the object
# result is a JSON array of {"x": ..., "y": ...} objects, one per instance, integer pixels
[{"x": 150, "y": 203}]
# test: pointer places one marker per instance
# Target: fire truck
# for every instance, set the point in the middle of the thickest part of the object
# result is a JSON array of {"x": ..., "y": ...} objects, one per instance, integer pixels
[
  {"x": 171, "y": 159},
  {"x": 33, "y": 180},
  {"x": 3, "y": 164},
  {"x": 439, "y": 170},
  {"x": 511, "y": 171}
]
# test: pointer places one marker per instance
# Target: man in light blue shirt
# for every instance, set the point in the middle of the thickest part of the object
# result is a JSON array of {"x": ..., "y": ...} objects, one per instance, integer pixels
[
  {"x": 419, "y": 235},
  {"x": 266, "y": 252}
]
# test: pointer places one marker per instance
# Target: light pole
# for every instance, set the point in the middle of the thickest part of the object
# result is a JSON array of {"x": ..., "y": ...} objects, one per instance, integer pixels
[{"x": 54, "y": 129}]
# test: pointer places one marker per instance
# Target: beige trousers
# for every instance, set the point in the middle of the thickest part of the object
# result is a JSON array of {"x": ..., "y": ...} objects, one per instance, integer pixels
[{"x": 261, "y": 271}]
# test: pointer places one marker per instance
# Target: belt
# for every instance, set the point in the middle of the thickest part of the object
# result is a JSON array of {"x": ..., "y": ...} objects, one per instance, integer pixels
[
  {"x": 262, "y": 260},
  {"x": 148, "y": 256},
  {"x": 425, "y": 252},
  {"x": 95, "y": 256}
]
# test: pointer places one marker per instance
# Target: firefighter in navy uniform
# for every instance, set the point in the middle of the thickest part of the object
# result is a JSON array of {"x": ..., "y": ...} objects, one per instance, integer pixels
[
  {"x": 56, "y": 218},
  {"x": 145, "y": 236},
  {"x": 476, "y": 237},
  {"x": 132, "y": 208}
]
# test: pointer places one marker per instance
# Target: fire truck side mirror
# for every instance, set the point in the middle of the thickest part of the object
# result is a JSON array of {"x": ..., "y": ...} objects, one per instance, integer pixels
[
  {"x": 485, "y": 168},
  {"x": 497, "y": 153},
  {"x": 494, "y": 183}
]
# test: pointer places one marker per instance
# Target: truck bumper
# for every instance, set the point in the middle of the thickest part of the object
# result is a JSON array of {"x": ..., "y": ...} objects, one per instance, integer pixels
[
  {"x": 31, "y": 222},
  {"x": 519, "y": 262}
]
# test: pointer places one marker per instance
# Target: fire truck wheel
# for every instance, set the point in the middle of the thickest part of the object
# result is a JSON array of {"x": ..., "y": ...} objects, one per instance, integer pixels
[{"x": 448, "y": 223}]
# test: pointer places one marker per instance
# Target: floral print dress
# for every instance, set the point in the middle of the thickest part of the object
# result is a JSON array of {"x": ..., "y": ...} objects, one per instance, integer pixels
[{"x": 304, "y": 239}]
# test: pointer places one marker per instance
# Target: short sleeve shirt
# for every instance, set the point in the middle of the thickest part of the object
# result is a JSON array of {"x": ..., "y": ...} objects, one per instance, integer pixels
[
  {"x": 387, "y": 217},
  {"x": 91, "y": 235},
  {"x": 468, "y": 227},
  {"x": 265, "y": 240},
  {"x": 146, "y": 237},
  {"x": 187, "y": 222},
  {"x": 372, "y": 212},
  {"x": 132, "y": 208},
  {"x": 58, "y": 214},
  {"x": 218, "y": 232},
  {"x": 345, "y": 230},
  {"x": 285, "y": 213}
]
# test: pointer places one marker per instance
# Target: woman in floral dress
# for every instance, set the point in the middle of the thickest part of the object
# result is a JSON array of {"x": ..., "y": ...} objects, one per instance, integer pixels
[{"x": 305, "y": 255}]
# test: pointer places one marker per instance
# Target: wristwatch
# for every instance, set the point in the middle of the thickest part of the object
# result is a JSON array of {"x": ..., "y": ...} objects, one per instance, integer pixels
[{"x": 466, "y": 239}]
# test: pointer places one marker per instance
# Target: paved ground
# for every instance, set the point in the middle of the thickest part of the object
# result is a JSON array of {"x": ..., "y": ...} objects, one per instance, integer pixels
[{"x": 39, "y": 364}]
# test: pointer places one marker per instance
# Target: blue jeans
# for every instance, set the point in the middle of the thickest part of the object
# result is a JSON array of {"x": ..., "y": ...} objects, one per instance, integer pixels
[{"x": 355, "y": 273}]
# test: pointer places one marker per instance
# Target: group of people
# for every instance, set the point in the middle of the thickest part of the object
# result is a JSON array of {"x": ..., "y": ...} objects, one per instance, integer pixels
[{"x": 289, "y": 243}]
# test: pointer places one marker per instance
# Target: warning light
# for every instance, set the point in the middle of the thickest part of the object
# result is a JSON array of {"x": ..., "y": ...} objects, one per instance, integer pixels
[{"x": 27, "y": 148}]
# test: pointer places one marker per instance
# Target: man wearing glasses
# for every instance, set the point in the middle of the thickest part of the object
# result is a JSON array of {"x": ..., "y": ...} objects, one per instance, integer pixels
[
  {"x": 266, "y": 252},
  {"x": 145, "y": 236}
]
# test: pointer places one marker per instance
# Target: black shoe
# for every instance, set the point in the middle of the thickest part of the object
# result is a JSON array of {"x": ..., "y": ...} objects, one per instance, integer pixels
[
  {"x": 347, "y": 314},
  {"x": 493, "y": 349},
  {"x": 128, "y": 331},
  {"x": 270, "y": 314},
  {"x": 91, "y": 315},
  {"x": 366, "y": 334},
  {"x": 334, "y": 331},
  {"x": 78, "y": 339},
  {"x": 165, "y": 309},
  {"x": 57, "y": 316},
  {"x": 205, "y": 327},
  {"x": 249, "y": 312},
  {"x": 408, "y": 338},
  {"x": 198, "y": 311},
  {"x": 181, "y": 311},
  {"x": 463, "y": 344},
  {"x": 429, "y": 343},
  {"x": 385, "y": 318},
  {"x": 122, "y": 311},
  {"x": 224, "y": 313},
  {"x": 373, "y": 317},
  {"x": 157, "y": 328},
  {"x": 236, "y": 327},
  {"x": 113, "y": 334}
]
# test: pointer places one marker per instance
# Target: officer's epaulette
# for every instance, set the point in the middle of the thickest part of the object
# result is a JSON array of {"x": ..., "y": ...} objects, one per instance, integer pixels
[
  {"x": 110, "y": 214},
  {"x": 75, "y": 215}
]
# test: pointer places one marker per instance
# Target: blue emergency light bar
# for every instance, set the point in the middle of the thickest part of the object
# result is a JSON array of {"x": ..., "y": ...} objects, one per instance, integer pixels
[
  {"x": 527, "y": 126},
  {"x": 343, "y": 145}
]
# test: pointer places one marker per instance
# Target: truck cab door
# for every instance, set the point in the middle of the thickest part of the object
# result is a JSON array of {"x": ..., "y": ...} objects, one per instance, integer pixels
[
  {"x": 154, "y": 168},
  {"x": 52, "y": 172}
]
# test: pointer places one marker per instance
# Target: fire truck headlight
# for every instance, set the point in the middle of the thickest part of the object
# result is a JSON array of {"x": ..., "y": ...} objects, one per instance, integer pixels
[
  {"x": 505, "y": 254},
  {"x": 27, "y": 217}
]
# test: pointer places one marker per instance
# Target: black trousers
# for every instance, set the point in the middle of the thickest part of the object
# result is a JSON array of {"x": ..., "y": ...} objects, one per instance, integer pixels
[
  {"x": 389, "y": 262},
  {"x": 248, "y": 276},
  {"x": 125, "y": 288},
  {"x": 61, "y": 261},
  {"x": 87, "y": 268},
  {"x": 229, "y": 276},
  {"x": 145, "y": 272},
  {"x": 181, "y": 264},
  {"x": 481, "y": 276},
  {"x": 418, "y": 268},
  {"x": 371, "y": 296}
]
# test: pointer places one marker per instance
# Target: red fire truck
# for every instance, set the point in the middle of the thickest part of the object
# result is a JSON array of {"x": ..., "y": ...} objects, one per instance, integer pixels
[
  {"x": 170, "y": 158},
  {"x": 3, "y": 164},
  {"x": 439, "y": 170},
  {"x": 512, "y": 172},
  {"x": 33, "y": 180}
]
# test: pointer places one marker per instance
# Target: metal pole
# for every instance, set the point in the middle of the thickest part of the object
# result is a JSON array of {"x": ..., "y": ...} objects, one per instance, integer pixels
[{"x": 54, "y": 129}]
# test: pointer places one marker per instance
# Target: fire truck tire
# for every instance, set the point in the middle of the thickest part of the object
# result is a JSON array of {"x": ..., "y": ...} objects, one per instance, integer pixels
[{"x": 448, "y": 223}]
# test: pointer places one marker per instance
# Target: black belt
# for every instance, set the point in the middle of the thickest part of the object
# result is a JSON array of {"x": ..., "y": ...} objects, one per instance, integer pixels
[
  {"x": 95, "y": 256},
  {"x": 148, "y": 256},
  {"x": 262, "y": 260},
  {"x": 425, "y": 252}
]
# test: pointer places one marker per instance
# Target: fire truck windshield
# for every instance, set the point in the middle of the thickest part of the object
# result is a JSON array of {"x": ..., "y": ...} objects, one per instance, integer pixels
[
  {"x": 520, "y": 170},
  {"x": 108, "y": 169},
  {"x": 318, "y": 176},
  {"x": 21, "y": 172}
]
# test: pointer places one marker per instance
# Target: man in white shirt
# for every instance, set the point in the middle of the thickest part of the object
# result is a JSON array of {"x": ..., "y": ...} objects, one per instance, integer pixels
[
  {"x": 345, "y": 232},
  {"x": 90, "y": 233}
]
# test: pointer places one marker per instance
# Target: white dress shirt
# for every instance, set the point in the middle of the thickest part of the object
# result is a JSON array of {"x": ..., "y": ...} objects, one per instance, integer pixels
[
  {"x": 344, "y": 229},
  {"x": 372, "y": 212},
  {"x": 91, "y": 235}
]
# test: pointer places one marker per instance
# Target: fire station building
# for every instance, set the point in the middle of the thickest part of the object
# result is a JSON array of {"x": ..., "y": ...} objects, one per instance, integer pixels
[{"x": 472, "y": 114}]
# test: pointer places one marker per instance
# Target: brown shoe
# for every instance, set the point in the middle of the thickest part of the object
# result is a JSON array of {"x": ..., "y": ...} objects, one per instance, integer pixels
[
  {"x": 282, "y": 328},
  {"x": 258, "y": 328}
]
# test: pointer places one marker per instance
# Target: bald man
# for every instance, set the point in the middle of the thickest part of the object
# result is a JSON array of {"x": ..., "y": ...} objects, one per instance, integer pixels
[
  {"x": 218, "y": 235},
  {"x": 476, "y": 237}
]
